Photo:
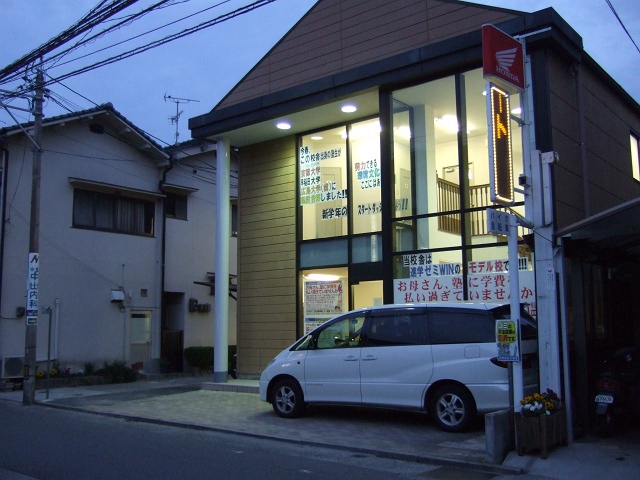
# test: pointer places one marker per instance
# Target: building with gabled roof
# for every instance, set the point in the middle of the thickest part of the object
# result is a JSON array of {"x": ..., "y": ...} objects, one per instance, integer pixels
[
  {"x": 386, "y": 201},
  {"x": 125, "y": 229}
]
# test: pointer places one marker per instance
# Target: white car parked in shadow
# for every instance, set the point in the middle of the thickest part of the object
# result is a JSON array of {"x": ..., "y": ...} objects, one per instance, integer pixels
[{"x": 438, "y": 357}]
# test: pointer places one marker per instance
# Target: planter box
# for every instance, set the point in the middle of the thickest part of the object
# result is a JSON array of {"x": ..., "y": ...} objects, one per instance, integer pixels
[{"x": 540, "y": 432}]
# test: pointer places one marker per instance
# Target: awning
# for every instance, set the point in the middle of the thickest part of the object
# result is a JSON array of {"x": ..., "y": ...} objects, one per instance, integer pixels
[{"x": 612, "y": 234}]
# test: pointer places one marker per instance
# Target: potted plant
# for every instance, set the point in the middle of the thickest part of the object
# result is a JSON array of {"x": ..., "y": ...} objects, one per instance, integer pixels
[{"x": 541, "y": 423}]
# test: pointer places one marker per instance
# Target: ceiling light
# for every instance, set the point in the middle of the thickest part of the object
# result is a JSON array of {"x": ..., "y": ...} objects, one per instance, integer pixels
[
  {"x": 321, "y": 277},
  {"x": 349, "y": 108},
  {"x": 403, "y": 131},
  {"x": 450, "y": 123},
  {"x": 316, "y": 137},
  {"x": 517, "y": 111},
  {"x": 282, "y": 125}
]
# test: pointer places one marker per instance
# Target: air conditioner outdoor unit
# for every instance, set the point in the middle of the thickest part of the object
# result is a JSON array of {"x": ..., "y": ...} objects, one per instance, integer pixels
[{"x": 11, "y": 367}]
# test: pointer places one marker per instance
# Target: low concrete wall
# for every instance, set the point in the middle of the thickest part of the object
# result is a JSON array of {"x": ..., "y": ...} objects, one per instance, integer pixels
[{"x": 499, "y": 433}]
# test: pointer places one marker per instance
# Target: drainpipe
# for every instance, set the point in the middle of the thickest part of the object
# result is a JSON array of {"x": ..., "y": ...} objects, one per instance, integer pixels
[{"x": 164, "y": 241}]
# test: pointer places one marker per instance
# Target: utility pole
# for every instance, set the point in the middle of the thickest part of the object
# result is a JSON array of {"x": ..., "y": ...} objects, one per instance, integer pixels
[{"x": 30, "y": 339}]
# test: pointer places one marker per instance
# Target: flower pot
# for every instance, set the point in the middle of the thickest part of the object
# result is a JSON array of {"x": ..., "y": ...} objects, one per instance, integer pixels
[{"x": 540, "y": 432}]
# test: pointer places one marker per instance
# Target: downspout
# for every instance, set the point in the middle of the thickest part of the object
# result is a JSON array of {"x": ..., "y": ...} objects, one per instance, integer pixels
[
  {"x": 577, "y": 73},
  {"x": 3, "y": 208},
  {"x": 163, "y": 253}
]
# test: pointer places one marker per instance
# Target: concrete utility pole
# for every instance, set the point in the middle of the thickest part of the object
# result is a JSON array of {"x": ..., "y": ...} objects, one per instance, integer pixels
[{"x": 28, "y": 390}]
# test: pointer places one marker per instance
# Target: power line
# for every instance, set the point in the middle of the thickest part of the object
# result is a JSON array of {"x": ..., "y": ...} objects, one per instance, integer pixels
[
  {"x": 167, "y": 39},
  {"x": 91, "y": 19},
  {"x": 622, "y": 25}
]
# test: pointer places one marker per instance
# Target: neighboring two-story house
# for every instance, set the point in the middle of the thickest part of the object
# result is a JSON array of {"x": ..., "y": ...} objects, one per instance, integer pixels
[{"x": 126, "y": 232}]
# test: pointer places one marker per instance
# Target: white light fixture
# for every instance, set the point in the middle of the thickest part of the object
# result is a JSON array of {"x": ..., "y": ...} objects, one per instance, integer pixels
[
  {"x": 321, "y": 277},
  {"x": 403, "y": 131},
  {"x": 316, "y": 137},
  {"x": 282, "y": 125},
  {"x": 516, "y": 111},
  {"x": 349, "y": 108},
  {"x": 450, "y": 123}
]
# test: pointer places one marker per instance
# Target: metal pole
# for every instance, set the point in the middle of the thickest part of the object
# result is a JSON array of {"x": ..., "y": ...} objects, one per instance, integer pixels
[
  {"x": 223, "y": 232},
  {"x": 514, "y": 292},
  {"x": 28, "y": 390},
  {"x": 49, "y": 310}
]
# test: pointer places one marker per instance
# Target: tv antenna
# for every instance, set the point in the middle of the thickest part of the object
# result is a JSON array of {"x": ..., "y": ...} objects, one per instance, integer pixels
[{"x": 175, "y": 118}]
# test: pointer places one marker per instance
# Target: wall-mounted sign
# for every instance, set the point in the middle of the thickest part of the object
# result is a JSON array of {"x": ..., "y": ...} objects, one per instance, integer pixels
[
  {"x": 502, "y": 59},
  {"x": 500, "y": 159}
]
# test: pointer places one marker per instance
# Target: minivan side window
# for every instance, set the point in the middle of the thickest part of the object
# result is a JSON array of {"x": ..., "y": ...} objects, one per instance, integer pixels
[
  {"x": 460, "y": 327},
  {"x": 396, "y": 329},
  {"x": 344, "y": 332}
]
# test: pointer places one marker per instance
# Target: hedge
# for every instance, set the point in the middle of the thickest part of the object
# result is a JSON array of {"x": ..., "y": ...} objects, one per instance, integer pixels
[{"x": 202, "y": 357}]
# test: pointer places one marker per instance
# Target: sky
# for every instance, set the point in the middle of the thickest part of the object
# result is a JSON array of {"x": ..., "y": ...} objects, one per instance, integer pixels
[{"x": 198, "y": 70}]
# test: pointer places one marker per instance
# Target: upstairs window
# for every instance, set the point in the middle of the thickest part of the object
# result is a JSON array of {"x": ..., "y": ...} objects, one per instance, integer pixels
[
  {"x": 176, "y": 206},
  {"x": 113, "y": 213}
]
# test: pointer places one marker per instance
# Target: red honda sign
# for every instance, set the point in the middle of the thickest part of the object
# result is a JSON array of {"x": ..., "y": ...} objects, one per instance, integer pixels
[{"x": 502, "y": 59}]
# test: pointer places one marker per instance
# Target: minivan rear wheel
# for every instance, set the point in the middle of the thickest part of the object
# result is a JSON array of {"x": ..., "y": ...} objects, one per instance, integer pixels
[
  {"x": 287, "y": 400},
  {"x": 452, "y": 408}
]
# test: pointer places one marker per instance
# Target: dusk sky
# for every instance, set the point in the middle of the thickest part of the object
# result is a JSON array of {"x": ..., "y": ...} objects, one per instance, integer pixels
[{"x": 204, "y": 66}]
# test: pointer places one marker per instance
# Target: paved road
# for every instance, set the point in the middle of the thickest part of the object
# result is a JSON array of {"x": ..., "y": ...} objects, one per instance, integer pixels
[{"x": 384, "y": 433}]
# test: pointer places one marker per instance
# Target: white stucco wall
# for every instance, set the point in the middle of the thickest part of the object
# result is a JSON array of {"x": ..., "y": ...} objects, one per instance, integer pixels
[{"x": 78, "y": 267}]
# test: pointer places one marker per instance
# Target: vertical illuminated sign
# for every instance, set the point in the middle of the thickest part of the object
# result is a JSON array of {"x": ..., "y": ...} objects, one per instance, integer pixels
[{"x": 500, "y": 161}]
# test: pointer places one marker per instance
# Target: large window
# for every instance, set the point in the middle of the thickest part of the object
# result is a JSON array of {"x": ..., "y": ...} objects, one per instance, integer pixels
[
  {"x": 112, "y": 213},
  {"x": 635, "y": 156},
  {"x": 442, "y": 248},
  {"x": 339, "y": 181}
]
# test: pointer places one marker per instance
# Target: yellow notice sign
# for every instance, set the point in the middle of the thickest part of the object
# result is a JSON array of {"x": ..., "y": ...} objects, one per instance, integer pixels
[{"x": 507, "y": 339}]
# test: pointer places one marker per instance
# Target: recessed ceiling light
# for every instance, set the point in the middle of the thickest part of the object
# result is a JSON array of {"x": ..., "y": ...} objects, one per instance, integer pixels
[
  {"x": 316, "y": 137},
  {"x": 283, "y": 125},
  {"x": 349, "y": 108},
  {"x": 321, "y": 277}
]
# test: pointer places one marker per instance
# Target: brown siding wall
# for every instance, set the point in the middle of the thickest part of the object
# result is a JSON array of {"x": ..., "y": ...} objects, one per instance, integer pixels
[
  {"x": 267, "y": 263},
  {"x": 608, "y": 122},
  {"x": 338, "y": 35}
]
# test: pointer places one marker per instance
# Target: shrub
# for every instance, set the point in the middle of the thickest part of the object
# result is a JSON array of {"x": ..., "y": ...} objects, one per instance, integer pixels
[
  {"x": 89, "y": 369},
  {"x": 117, "y": 372},
  {"x": 202, "y": 357}
]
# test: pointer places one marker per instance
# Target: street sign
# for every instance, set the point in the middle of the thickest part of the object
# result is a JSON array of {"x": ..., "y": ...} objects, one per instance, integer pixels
[
  {"x": 497, "y": 221},
  {"x": 508, "y": 340}
]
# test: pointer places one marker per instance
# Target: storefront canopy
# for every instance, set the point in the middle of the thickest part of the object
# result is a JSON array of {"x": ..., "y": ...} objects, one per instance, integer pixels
[{"x": 610, "y": 235}]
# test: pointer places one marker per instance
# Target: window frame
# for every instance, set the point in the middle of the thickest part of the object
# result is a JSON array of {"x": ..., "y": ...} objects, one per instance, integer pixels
[
  {"x": 634, "y": 144},
  {"x": 115, "y": 205}
]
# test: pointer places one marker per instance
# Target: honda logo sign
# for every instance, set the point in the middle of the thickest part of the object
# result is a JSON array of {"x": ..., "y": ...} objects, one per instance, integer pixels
[{"x": 502, "y": 59}]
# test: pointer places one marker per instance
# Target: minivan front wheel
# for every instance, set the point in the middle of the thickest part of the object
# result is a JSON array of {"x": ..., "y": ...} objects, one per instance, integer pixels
[
  {"x": 452, "y": 408},
  {"x": 287, "y": 401}
]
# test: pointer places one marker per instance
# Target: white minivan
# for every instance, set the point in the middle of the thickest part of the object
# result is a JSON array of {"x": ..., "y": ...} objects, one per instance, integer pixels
[{"x": 438, "y": 357}]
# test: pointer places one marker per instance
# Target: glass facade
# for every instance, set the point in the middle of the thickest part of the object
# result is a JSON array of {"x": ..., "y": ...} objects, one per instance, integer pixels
[{"x": 440, "y": 247}]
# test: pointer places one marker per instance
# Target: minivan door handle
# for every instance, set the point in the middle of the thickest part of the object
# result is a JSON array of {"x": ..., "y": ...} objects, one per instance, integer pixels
[
  {"x": 350, "y": 358},
  {"x": 369, "y": 358}
]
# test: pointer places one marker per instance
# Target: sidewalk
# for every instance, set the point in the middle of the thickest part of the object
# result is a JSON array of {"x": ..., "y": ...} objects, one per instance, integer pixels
[{"x": 195, "y": 402}]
